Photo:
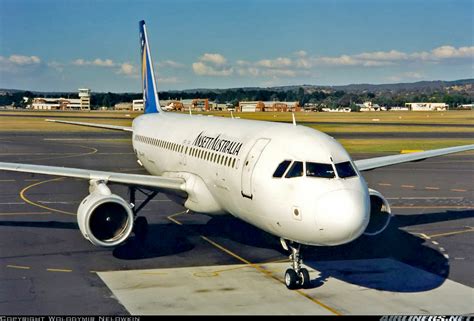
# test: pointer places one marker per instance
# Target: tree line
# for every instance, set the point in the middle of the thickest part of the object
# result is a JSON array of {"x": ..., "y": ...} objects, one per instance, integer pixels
[{"x": 318, "y": 98}]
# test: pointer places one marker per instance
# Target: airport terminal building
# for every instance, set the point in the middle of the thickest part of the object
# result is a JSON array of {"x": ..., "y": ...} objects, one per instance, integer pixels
[{"x": 81, "y": 103}]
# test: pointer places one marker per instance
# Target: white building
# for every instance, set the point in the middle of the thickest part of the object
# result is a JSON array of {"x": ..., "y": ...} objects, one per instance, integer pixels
[
  {"x": 84, "y": 98},
  {"x": 427, "y": 106},
  {"x": 123, "y": 106},
  {"x": 81, "y": 103},
  {"x": 137, "y": 105},
  {"x": 369, "y": 106}
]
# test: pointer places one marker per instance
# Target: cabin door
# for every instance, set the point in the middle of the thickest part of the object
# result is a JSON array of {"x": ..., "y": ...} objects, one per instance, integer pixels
[{"x": 249, "y": 165}]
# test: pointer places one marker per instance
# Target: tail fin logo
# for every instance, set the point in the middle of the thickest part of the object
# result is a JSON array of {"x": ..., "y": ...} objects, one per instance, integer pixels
[{"x": 150, "y": 95}]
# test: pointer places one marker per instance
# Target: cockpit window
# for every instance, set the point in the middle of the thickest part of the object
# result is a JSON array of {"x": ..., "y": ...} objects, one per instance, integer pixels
[
  {"x": 281, "y": 169},
  {"x": 319, "y": 170},
  {"x": 296, "y": 170},
  {"x": 345, "y": 170}
]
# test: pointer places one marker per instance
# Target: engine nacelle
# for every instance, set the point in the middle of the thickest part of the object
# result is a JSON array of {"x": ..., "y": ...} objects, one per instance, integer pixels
[
  {"x": 380, "y": 214},
  {"x": 105, "y": 219}
]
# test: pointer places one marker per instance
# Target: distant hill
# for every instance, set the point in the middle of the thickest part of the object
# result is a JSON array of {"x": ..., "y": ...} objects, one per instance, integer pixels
[
  {"x": 453, "y": 93},
  {"x": 396, "y": 87},
  {"x": 434, "y": 85}
]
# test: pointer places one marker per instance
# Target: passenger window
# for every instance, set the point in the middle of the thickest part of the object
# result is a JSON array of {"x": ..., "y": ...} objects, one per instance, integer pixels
[
  {"x": 296, "y": 170},
  {"x": 233, "y": 162},
  {"x": 319, "y": 170},
  {"x": 345, "y": 170},
  {"x": 281, "y": 169}
]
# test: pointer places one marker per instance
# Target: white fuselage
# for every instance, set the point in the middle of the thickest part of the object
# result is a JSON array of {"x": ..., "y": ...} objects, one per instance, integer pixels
[{"x": 229, "y": 164}]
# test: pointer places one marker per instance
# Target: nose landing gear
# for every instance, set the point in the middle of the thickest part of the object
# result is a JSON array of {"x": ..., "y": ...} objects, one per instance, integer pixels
[{"x": 296, "y": 276}]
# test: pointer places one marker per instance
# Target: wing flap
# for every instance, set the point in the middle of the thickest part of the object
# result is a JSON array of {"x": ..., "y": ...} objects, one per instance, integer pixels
[
  {"x": 105, "y": 126},
  {"x": 372, "y": 163},
  {"x": 155, "y": 182}
]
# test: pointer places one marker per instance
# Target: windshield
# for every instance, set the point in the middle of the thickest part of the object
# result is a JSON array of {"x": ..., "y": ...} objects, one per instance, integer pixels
[
  {"x": 281, "y": 169},
  {"x": 296, "y": 170},
  {"x": 345, "y": 170},
  {"x": 319, "y": 170}
]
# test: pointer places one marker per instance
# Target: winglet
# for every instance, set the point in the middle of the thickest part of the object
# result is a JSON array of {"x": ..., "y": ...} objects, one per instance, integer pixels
[{"x": 150, "y": 95}]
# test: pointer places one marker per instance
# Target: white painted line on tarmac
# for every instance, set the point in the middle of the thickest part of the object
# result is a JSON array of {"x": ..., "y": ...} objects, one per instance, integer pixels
[
  {"x": 56, "y": 202},
  {"x": 13, "y": 203},
  {"x": 427, "y": 198}
]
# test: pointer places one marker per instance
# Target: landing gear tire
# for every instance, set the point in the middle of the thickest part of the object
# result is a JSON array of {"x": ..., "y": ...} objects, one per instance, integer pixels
[
  {"x": 296, "y": 276},
  {"x": 291, "y": 279},
  {"x": 305, "y": 281},
  {"x": 140, "y": 228}
]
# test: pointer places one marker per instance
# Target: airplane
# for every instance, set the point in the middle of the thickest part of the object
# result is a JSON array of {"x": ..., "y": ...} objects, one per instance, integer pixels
[{"x": 291, "y": 181}]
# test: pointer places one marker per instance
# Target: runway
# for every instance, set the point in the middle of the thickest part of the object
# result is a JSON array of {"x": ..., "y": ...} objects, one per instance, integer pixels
[{"x": 421, "y": 264}]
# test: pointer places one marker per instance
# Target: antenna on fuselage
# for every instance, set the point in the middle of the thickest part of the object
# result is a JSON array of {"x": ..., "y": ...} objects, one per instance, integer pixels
[{"x": 294, "y": 120}]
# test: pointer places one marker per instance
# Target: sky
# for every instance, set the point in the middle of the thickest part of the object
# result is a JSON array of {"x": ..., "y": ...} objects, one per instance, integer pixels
[{"x": 62, "y": 45}]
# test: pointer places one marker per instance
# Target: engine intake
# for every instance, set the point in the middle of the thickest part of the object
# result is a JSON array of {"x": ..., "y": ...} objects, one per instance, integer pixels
[
  {"x": 380, "y": 214},
  {"x": 105, "y": 219}
]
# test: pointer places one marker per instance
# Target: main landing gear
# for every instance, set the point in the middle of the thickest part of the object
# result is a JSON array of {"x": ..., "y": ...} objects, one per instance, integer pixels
[
  {"x": 296, "y": 276},
  {"x": 140, "y": 225}
]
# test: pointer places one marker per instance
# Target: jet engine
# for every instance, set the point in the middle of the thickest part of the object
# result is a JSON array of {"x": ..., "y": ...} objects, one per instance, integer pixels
[
  {"x": 105, "y": 219},
  {"x": 380, "y": 214}
]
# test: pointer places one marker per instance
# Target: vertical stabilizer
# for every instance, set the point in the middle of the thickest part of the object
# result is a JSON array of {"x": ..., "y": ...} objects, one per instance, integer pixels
[{"x": 151, "y": 102}]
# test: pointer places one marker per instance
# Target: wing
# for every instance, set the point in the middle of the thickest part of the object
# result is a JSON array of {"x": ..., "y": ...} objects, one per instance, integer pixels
[
  {"x": 114, "y": 127},
  {"x": 372, "y": 163},
  {"x": 153, "y": 182}
]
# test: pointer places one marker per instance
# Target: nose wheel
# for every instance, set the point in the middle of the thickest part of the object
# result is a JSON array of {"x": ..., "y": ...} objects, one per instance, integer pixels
[{"x": 296, "y": 277}]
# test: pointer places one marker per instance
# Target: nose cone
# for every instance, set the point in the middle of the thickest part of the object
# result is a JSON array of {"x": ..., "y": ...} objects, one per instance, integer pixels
[{"x": 342, "y": 215}]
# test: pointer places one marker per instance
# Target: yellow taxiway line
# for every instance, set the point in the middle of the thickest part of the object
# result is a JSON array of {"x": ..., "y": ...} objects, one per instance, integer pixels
[{"x": 255, "y": 266}]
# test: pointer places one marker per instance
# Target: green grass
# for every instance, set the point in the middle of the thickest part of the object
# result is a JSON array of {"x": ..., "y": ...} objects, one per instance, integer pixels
[
  {"x": 23, "y": 122},
  {"x": 448, "y": 117},
  {"x": 397, "y": 145}
]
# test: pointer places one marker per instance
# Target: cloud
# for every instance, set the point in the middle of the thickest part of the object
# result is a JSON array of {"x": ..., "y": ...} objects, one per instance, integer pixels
[
  {"x": 394, "y": 57},
  {"x": 301, "y": 53},
  {"x": 212, "y": 64},
  {"x": 275, "y": 63},
  {"x": 96, "y": 62},
  {"x": 56, "y": 65},
  {"x": 103, "y": 63},
  {"x": 447, "y": 52},
  {"x": 128, "y": 70},
  {"x": 213, "y": 58},
  {"x": 23, "y": 60},
  {"x": 382, "y": 55},
  {"x": 200, "y": 68},
  {"x": 170, "y": 64},
  {"x": 124, "y": 68},
  {"x": 409, "y": 75},
  {"x": 17, "y": 64}
]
